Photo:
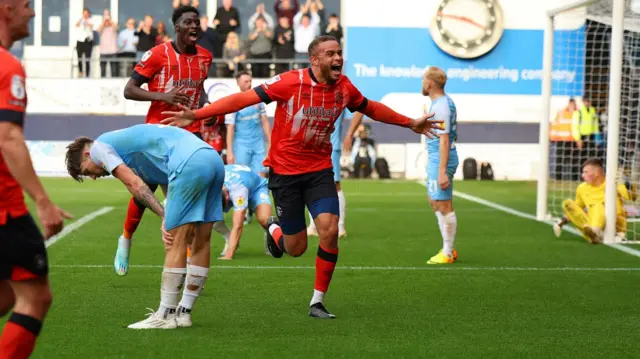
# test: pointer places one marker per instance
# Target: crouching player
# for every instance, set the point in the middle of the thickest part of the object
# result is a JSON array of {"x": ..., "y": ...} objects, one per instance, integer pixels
[
  {"x": 244, "y": 190},
  {"x": 586, "y": 212},
  {"x": 443, "y": 161},
  {"x": 194, "y": 174}
]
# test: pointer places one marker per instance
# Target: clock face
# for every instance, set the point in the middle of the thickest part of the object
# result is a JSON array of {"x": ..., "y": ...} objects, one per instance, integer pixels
[{"x": 467, "y": 28}]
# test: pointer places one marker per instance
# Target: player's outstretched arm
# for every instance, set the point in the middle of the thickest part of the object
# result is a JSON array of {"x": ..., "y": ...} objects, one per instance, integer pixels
[
  {"x": 138, "y": 189},
  {"x": 16, "y": 156},
  {"x": 236, "y": 232},
  {"x": 382, "y": 113},
  {"x": 225, "y": 105}
]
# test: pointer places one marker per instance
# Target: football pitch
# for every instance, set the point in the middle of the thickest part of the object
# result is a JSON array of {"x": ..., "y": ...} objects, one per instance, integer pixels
[{"x": 516, "y": 290}]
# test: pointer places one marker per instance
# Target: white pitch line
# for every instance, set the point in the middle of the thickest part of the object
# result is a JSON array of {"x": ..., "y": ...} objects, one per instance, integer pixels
[
  {"x": 77, "y": 224},
  {"x": 380, "y": 268},
  {"x": 468, "y": 197}
]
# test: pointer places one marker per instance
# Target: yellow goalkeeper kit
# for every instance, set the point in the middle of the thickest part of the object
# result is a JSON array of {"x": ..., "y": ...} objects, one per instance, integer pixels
[{"x": 588, "y": 207}]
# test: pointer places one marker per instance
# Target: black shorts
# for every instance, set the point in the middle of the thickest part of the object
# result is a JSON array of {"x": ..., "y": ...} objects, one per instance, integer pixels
[
  {"x": 291, "y": 193},
  {"x": 23, "y": 255}
]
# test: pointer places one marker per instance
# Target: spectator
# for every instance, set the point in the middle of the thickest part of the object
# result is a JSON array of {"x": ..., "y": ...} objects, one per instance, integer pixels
[
  {"x": 316, "y": 7},
  {"x": 283, "y": 41},
  {"x": 260, "y": 48},
  {"x": 260, "y": 12},
  {"x": 562, "y": 137},
  {"x": 162, "y": 33},
  {"x": 334, "y": 28},
  {"x": 227, "y": 19},
  {"x": 585, "y": 119},
  {"x": 287, "y": 9},
  {"x": 108, "y": 31},
  {"x": 146, "y": 36},
  {"x": 305, "y": 29},
  {"x": 363, "y": 152},
  {"x": 208, "y": 37},
  {"x": 84, "y": 43},
  {"x": 178, "y": 3},
  {"x": 127, "y": 46},
  {"x": 233, "y": 54}
]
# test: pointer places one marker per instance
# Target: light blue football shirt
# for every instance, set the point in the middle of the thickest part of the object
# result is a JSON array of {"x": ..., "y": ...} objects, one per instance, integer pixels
[
  {"x": 248, "y": 125},
  {"x": 154, "y": 152},
  {"x": 444, "y": 109}
]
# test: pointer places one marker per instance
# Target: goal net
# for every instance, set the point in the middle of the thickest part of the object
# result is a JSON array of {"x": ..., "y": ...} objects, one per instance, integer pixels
[{"x": 580, "y": 94}]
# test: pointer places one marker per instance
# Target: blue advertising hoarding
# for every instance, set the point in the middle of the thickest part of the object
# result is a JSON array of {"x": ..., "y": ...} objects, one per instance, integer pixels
[{"x": 385, "y": 60}]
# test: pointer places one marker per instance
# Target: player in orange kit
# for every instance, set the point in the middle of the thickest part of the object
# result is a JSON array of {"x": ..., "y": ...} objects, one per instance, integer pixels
[
  {"x": 24, "y": 283},
  {"x": 174, "y": 72},
  {"x": 301, "y": 173}
]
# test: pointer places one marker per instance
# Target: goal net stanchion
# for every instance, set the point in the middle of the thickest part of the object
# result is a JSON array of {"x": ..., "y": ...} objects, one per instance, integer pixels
[{"x": 587, "y": 39}]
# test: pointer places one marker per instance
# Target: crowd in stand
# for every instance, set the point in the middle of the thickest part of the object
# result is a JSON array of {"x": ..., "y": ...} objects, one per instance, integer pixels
[{"x": 275, "y": 41}]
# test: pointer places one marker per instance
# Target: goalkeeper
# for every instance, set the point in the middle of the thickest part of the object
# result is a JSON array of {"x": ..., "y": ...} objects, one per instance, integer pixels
[{"x": 586, "y": 212}]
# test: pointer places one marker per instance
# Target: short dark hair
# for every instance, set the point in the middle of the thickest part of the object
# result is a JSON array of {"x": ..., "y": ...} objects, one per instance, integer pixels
[
  {"x": 75, "y": 155},
  {"x": 181, "y": 10},
  {"x": 593, "y": 162},
  {"x": 242, "y": 73},
  {"x": 334, "y": 15},
  {"x": 319, "y": 40}
]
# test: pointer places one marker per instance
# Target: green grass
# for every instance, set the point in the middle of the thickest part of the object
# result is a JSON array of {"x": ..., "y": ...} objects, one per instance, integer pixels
[{"x": 491, "y": 304}]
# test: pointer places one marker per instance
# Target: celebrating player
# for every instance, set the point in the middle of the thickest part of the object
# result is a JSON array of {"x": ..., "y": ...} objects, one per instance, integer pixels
[
  {"x": 336, "y": 153},
  {"x": 24, "y": 283},
  {"x": 174, "y": 72},
  {"x": 442, "y": 163},
  {"x": 194, "y": 174},
  {"x": 309, "y": 102},
  {"x": 586, "y": 212},
  {"x": 244, "y": 189}
]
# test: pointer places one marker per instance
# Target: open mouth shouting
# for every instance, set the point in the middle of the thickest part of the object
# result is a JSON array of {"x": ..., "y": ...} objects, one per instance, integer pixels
[
  {"x": 193, "y": 35},
  {"x": 336, "y": 70}
]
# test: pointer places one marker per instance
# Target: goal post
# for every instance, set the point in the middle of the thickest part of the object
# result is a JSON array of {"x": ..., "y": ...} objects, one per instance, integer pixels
[{"x": 588, "y": 40}]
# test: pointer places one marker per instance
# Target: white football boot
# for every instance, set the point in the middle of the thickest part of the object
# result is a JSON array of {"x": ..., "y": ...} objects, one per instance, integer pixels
[
  {"x": 557, "y": 230},
  {"x": 156, "y": 320},
  {"x": 183, "y": 319}
]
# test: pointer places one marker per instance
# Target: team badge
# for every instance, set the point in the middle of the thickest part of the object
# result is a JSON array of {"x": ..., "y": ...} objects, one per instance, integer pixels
[
  {"x": 240, "y": 201},
  {"x": 339, "y": 97},
  {"x": 17, "y": 87},
  {"x": 279, "y": 211},
  {"x": 272, "y": 81},
  {"x": 146, "y": 56}
]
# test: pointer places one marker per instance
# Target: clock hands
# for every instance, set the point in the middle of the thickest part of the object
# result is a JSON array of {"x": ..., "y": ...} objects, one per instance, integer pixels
[{"x": 466, "y": 19}]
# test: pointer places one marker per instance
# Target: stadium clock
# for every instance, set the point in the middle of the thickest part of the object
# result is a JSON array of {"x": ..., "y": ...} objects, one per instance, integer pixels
[{"x": 467, "y": 28}]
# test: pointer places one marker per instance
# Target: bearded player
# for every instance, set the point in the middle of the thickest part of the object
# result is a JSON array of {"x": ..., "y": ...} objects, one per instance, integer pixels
[
  {"x": 174, "y": 72},
  {"x": 309, "y": 102},
  {"x": 24, "y": 283}
]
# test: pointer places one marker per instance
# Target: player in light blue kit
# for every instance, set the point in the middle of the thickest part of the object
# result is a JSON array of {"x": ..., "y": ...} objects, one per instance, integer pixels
[
  {"x": 193, "y": 173},
  {"x": 336, "y": 143},
  {"x": 248, "y": 133},
  {"x": 443, "y": 162},
  {"x": 243, "y": 190}
]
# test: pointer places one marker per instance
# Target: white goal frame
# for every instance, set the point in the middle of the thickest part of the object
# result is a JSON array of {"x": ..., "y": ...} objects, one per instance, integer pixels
[{"x": 613, "y": 124}]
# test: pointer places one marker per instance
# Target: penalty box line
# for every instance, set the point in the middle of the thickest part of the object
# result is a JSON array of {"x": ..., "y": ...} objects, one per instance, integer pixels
[
  {"x": 471, "y": 198},
  {"x": 77, "y": 224},
  {"x": 376, "y": 268}
]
